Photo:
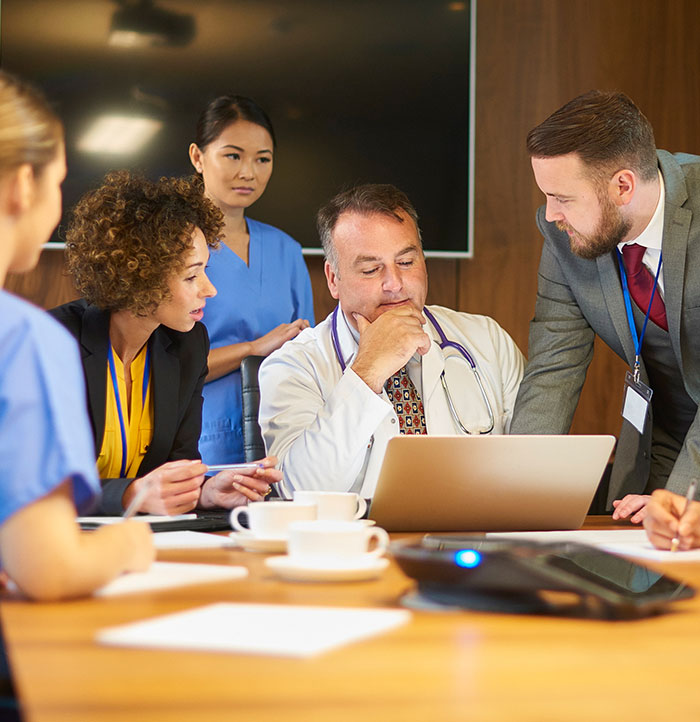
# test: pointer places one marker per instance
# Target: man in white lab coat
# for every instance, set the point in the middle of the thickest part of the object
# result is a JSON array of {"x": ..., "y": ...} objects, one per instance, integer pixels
[{"x": 324, "y": 408}]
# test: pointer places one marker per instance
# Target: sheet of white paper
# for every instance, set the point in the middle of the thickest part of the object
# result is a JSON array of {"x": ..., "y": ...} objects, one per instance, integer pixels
[
  {"x": 150, "y": 518},
  {"x": 630, "y": 542},
  {"x": 190, "y": 540},
  {"x": 272, "y": 629},
  {"x": 164, "y": 575}
]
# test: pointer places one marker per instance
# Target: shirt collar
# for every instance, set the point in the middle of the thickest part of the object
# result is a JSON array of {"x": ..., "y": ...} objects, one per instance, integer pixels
[{"x": 652, "y": 235}]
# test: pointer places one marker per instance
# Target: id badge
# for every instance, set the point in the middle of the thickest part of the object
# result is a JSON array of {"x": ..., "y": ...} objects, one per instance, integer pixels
[{"x": 636, "y": 402}]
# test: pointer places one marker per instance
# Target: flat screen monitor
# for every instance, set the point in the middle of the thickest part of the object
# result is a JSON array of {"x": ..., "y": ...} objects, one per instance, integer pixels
[{"x": 357, "y": 90}]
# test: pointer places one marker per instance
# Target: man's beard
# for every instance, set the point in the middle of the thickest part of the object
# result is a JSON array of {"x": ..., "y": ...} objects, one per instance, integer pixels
[{"x": 612, "y": 230}]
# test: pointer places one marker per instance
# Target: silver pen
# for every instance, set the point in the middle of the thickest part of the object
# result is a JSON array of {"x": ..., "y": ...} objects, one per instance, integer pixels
[
  {"x": 689, "y": 496},
  {"x": 244, "y": 468}
]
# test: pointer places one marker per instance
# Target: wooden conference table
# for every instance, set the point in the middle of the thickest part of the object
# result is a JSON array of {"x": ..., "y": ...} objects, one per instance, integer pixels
[{"x": 440, "y": 666}]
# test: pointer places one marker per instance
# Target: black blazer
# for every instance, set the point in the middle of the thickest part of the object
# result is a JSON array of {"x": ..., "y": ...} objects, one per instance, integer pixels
[{"x": 178, "y": 367}]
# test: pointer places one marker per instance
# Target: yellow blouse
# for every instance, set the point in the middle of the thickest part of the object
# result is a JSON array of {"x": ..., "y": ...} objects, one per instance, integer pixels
[{"x": 138, "y": 420}]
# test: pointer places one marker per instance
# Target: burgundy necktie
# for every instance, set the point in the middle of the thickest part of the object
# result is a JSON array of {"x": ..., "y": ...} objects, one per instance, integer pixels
[
  {"x": 641, "y": 284},
  {"x": 407, "y": 403}
]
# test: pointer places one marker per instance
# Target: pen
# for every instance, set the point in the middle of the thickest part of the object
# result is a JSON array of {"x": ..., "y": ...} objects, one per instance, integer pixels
[
  {"x": 137, "y": 500},
  {"x": 689, "y": 496},
  {"x": 241, "y": 468}
]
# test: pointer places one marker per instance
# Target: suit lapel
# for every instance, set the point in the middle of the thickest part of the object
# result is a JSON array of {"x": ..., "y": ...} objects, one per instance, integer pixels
[
  {"x": 432, "y": 365},
  {"x": 612, "y": 293},
  {"x": 675, "y": 245},
  {"x": 165, "y": 375},
  {"x": 94, "y": 343}
]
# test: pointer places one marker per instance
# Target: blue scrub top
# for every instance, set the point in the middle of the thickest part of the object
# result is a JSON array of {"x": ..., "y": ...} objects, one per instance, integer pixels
[
  {"x": 45, "y": 434},
  {"x": 251, "y": 300}
]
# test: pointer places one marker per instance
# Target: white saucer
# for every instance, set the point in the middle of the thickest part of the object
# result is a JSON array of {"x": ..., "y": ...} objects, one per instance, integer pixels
[
  {"x": 301, "y": 570},
  {"x": 252, "y": 543}
]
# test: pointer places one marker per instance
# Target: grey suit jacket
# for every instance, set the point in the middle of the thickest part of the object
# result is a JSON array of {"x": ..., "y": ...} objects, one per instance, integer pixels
[{"x": 578, "y": 299}]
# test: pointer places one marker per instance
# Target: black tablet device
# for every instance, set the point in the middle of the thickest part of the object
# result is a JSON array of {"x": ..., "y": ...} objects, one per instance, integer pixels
[
  {"x": 507, "y": 575},
  {"x": 207, "y": 520}
]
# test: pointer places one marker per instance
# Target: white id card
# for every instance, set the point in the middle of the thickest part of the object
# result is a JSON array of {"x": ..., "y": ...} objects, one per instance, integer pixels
[{"x": 636, "y": 402}]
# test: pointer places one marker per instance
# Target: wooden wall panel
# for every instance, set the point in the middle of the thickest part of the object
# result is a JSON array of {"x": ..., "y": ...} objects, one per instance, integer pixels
[
  {"x": 533, "y": 56},
  {"x": 47, "y": 285}
]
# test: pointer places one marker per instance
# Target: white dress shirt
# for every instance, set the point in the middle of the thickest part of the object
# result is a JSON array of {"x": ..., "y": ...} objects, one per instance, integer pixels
[{"x": 651, "y": 238}]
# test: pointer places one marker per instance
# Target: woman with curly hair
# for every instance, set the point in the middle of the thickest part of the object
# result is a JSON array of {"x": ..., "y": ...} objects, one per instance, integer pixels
[
  {"x": 265, "y": 292},
  {"x": 137, "y": 251},
  {"x": 47, "y": 464}
]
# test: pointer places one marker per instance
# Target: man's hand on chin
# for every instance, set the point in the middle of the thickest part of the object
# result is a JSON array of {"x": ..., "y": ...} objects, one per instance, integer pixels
[{"x": 387, "y": 343}]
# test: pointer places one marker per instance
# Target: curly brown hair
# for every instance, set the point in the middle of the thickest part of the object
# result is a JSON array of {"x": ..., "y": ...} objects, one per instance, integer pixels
[{"x": 129, "y": 237}]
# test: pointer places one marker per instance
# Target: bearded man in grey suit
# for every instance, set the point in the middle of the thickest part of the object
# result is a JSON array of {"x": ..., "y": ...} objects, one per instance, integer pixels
[{"x": 607, "y": 187}]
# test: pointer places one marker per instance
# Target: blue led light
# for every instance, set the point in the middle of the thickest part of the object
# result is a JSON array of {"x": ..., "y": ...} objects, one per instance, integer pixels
[{"x": 468, "y": 558}]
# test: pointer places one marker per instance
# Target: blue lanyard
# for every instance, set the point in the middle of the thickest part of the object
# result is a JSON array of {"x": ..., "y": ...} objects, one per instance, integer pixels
[
  {"x": 115, "y": 386},
  {"x": 630, "y": 315}
]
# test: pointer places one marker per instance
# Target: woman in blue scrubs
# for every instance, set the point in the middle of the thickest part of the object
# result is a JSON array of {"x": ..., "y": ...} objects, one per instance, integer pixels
[
  {"x": 47, "y": 463},
  {"x": 264, "y": 292}
]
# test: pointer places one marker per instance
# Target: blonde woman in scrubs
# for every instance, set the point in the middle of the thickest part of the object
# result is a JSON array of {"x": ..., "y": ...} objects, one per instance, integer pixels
[
  {"x": 137, "y": 252},
  {"x": 46, "y": 453}
]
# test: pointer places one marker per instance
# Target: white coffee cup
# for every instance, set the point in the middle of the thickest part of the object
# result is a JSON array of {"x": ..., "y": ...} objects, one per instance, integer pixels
[
  {"x": 271, "y": 519},
  {"x": 323, "y": 541},
  {"x": 333, "y": 505}
]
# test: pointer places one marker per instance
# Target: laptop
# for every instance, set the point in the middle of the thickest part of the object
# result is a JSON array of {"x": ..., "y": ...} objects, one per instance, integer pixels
[{"x": 488, "y": 483}]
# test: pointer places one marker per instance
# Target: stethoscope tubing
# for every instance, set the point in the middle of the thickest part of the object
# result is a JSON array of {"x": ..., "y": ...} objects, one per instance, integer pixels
[{"x": 444, "y": 344}]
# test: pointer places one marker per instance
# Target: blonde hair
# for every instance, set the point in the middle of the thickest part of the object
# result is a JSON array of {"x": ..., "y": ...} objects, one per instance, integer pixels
[{"x": 30, "y": 132}]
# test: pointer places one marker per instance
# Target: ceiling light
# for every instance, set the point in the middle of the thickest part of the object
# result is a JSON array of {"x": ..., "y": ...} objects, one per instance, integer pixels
[
  {"x": 118, "y": 134},
  {"x": 142, "y": 24}
]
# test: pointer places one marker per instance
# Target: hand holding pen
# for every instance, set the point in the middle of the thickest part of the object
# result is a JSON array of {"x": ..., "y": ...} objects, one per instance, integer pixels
[
  {"x": 673, "y": 521},
  {"x": 236, "y": 484},
  {"x": 689, "y": 496}
]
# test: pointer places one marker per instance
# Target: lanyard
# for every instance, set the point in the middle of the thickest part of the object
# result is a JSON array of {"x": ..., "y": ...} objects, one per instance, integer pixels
[
  {"x": 630, "y": 315},
  {"x": 115, "y": 386}
]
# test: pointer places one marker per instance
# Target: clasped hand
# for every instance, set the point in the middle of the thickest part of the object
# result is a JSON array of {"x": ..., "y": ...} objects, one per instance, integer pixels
[{"x": 632, "y": 507}]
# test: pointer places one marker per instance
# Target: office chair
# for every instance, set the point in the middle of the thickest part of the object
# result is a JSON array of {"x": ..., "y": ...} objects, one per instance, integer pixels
[{"x": 253, "y": 445}]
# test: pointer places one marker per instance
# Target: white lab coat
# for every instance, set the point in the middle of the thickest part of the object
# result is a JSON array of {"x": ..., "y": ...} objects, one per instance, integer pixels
[{"x": 329, "y": 430}]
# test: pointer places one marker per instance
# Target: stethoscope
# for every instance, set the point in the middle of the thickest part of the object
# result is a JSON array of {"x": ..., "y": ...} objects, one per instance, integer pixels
[{"x": 444, "y": 343}]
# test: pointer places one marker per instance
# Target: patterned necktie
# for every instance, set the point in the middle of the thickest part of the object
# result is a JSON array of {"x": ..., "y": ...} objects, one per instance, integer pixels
[
  {"x": 641, "y": 284},
  {"x": 407, "y": 403}
]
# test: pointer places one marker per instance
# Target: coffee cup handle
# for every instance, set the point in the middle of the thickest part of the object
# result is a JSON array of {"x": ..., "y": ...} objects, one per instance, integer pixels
[
  {"x": 235, "y": 523},
  {"x": 382, "y": 541},
  {"x": 361, "y": 507}
]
